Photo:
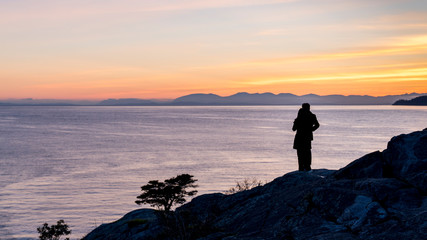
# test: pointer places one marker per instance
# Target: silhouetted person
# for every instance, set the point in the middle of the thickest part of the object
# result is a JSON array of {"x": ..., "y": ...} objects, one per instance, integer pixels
[{"x": 305, "y": 124}]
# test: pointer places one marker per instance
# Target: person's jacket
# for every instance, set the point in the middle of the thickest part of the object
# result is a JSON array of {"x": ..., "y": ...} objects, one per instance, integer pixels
[{"x": 305, "y": 124}]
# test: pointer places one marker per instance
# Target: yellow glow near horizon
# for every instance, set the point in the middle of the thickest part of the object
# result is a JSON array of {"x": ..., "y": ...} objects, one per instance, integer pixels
[{"x": 146, "y": 49}]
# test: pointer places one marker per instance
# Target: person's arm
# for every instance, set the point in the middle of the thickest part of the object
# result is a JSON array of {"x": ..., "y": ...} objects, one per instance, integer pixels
[
  {"x": 316, "y": 124},
  {"x": 294, "y": 127}
]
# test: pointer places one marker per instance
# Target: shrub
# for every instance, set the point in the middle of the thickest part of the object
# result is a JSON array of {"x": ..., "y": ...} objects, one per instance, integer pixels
[
  {"x": 53, "y": 232},
  {"x": 246, "y": 184}
]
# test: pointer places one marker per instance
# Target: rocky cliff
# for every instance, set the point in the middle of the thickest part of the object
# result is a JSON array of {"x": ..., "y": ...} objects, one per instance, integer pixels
[{"x": 379, "y": 196}]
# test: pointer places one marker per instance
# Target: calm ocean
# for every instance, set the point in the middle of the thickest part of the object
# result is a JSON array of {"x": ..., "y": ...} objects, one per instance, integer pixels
[{"x": 86, "y": 164}]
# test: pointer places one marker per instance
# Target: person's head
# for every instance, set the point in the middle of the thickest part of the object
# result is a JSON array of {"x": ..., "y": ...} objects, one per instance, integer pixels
[{"x": 306, "y": 106}]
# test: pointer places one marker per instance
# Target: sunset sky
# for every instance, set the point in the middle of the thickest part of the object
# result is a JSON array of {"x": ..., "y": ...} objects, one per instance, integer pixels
[{"x": 97, "y": 49}]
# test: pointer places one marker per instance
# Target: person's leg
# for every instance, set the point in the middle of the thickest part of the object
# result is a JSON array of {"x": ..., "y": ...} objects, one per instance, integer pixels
[
  {"x": 304, "y": 159},
  {"x": 300, "y": 154},
  {"x": 307, "y": 162}
]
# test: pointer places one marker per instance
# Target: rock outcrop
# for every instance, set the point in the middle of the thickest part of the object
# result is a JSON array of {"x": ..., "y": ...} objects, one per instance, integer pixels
[{"x": 379, "y": 196}]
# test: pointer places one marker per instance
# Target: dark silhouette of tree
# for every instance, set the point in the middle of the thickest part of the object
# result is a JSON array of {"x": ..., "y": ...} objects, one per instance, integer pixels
[
  {"x": 163, "y": 195},
  {"x": 53, "y": 232}
]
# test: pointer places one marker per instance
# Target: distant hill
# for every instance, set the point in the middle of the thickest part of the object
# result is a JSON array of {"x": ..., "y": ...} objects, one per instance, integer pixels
[
  {"x": 420, "y": 101},
  {"x": 45, "y": 102},
  {"x": 244, "y": 98},
  {"x": 127, "y": 102},
  {"x": 36, "y": 104}
]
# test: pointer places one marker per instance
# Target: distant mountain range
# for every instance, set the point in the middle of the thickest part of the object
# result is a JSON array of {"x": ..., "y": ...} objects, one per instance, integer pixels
[
  {"x": 237, "y": 99},
  {"x": 289, "y": 99}
]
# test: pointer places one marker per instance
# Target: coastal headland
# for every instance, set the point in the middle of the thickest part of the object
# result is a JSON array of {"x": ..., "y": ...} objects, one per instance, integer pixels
[{"x": 381, "y": 195}]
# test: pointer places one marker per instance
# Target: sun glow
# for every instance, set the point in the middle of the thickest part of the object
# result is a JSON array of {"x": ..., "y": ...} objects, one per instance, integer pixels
[{"x": 148, "y": 49}]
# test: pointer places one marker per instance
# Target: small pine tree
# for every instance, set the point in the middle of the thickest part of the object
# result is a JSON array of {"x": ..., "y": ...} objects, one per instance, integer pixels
[
  {"x": 164, "y": 195},
  {"x": 53, "y": 232}
]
